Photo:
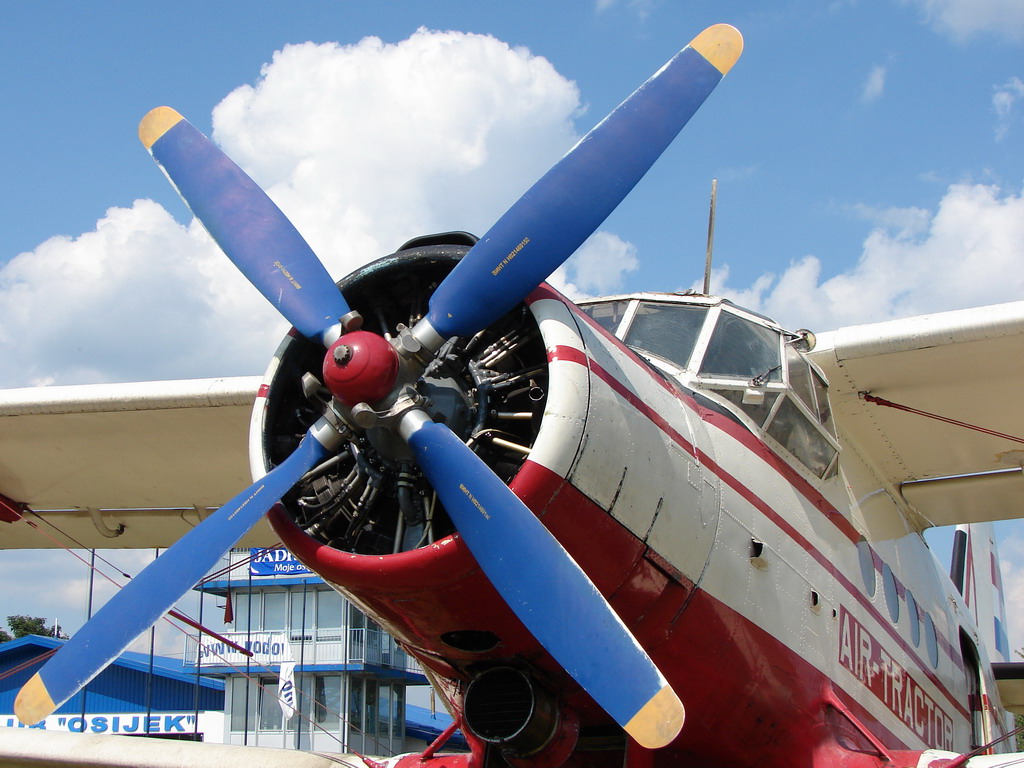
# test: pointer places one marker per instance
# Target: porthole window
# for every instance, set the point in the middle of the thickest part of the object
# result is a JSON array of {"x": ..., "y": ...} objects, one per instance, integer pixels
[
  {"x": 892, "y": 595},
  {"x": 931, "y": 640},
  {"x": 915, "y": 620},
  {"x": 867, "y": 567}
]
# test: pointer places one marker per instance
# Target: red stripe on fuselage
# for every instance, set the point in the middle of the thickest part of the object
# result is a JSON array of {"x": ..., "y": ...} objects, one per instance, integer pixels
[
  {"x": 750, "y": 441},
  {"x": 570, "y": 354},
  {"x": 710, "y": 653}
]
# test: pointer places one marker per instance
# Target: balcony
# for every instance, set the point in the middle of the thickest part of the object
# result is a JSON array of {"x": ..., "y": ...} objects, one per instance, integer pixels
[{"x": 353, "y": 647}]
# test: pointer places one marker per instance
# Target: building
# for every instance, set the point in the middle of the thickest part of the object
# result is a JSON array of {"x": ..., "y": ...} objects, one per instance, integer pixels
[
  {"x": 349, "y": 676},
  {"x": 136, "y": 695}
]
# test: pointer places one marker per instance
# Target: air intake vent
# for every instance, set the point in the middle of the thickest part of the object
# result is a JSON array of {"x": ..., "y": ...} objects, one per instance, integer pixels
[
  {"x": 500, "y": 703},
  {"x": 505, "y": 707}
]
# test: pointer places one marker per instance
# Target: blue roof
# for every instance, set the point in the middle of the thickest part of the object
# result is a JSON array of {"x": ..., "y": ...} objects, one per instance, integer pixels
[
  {"x": 421, "y": 723},
  {"x": 241, "y": 584},
  {"x": 122, "y": 687}
]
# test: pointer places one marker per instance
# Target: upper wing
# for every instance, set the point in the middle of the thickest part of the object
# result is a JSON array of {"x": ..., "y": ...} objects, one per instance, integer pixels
[
  {"x": 966, "y": 365},
  {"x": 151, "y": 457}
]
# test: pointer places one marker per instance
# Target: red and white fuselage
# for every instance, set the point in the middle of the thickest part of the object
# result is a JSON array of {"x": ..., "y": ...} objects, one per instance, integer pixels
[{"x": 744, "y": 569}]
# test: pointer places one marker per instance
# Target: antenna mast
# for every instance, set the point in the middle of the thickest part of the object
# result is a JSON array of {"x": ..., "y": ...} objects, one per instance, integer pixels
[{"x": 711, "y": 238}]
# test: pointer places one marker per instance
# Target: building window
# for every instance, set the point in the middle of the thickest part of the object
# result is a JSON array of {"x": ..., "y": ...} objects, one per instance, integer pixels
[
  {"x": 270, "y": 706},
  {"x": 355, "y": 702},
  {"x": 328, "y": 701},
  {"x": 303, "y": 614},
  {"x": 371, "y": 707},
  {"x": 384, "y": 711},
  {"x": 274, "y": 604},
  {"x": 398, "y": 711},
  {"x": 330, "y": 610},
  {"x": 241, "y": 719}
]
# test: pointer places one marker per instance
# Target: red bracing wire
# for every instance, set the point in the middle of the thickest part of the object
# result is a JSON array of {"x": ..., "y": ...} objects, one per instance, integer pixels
[
  {"x": 882, "y": 401},
  {"x": 176, "y": 614},
  {"x": 34, "y": 660}
]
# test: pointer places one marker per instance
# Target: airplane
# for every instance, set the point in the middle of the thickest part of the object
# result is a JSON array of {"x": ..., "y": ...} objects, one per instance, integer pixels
[{"x": 644, "y": 530}]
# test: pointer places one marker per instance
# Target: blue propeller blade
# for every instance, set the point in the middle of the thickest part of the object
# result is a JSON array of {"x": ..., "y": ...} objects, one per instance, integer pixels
[
  {"x": 246, "y": 224},
  {"x": 154, "y": 591},
  {"x": 569, "y": 203},
  {"x": 545, "y": 587}
]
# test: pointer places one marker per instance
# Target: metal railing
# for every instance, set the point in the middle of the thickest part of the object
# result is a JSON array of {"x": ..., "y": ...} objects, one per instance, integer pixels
[{"x": 321, "y": 646}]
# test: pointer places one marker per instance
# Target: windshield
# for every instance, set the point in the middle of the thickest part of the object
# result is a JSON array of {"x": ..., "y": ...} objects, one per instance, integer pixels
[
  {"x": 607, "y": 314},
  {"x": 743, "y": 349},
  {"x": 667, "y": 330}
]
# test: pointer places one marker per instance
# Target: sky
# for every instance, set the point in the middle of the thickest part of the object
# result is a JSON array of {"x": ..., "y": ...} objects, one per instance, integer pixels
[{"x": 869, "y": 158}]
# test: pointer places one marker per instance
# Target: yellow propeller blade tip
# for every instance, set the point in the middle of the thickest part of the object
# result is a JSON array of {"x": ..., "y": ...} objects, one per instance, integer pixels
[
  {"x": 33, "y": 702},
  {"x": 156, "y": 123},
  {"x": 659, "y": 721},
  {"x": 721, "y": 45}
]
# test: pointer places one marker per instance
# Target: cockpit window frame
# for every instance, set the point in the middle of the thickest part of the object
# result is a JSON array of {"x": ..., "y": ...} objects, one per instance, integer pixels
[
  {"x": 759, "y": 401},
  {"x": 707, "y": 336},
  {"x": 680, "y": 365},
  {"x": 625, "y": 321}
]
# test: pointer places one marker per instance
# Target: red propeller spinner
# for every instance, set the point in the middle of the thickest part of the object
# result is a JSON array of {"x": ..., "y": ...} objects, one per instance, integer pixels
[{"x": 360, "y": 367}]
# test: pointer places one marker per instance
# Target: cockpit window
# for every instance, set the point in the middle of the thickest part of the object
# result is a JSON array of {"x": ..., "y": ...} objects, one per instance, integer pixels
[
  {"x": 742, "y": 349},
  {"x": 798, "y": 436},
  {"x": 607, "y": 314},
  {"x": 753, "y": 366},
  {"x": 800, "y": 377},
  {"x": 667, "y": 330},
  {"x": 809, "y": 387},
  {"x": 821, "y": 398}
]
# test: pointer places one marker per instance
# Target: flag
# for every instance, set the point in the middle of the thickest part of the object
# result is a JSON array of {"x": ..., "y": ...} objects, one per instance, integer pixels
[{"x": 286, "y": 689}]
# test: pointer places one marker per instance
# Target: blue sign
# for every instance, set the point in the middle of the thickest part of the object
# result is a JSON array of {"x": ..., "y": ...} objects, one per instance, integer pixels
[{"x": 275, "y": 562}]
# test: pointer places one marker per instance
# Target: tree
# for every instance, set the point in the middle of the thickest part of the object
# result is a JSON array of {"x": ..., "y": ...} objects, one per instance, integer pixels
[{"x": 30, "y": 625}]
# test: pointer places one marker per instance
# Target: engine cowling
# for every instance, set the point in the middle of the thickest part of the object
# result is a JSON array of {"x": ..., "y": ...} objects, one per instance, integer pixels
[{"x": 489, "y": 389}]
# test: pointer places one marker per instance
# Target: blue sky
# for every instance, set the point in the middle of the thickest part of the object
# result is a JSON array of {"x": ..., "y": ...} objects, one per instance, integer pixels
[
  {"x": 872, "y": 150},
  {"x": 841, "y": 121}
]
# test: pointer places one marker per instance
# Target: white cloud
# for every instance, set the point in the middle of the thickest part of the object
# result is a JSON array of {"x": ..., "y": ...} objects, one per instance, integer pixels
[
  {"x": 1004, "y": 103},
  {"x": 368, "y": 145},
  {"x": 963, "y": 19},
  {"x": 967, "y": 253},
  {"x": 66, "y": 598},
  {"x": 141, "y": 295},
  {"x": 363, "y": 146},
  {"x": 598, "y": 267},
  {"x": 874, "y": 85}
]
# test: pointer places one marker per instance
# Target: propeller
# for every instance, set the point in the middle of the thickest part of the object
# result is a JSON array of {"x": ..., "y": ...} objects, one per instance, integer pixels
[
  {"x": 555, "y": 216},
  {"x": 246, "y": 224},
  {"x": 551, "y": 594},
  {"x": 144, "y": 599},
  {"x": 553, "y": 598}
]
